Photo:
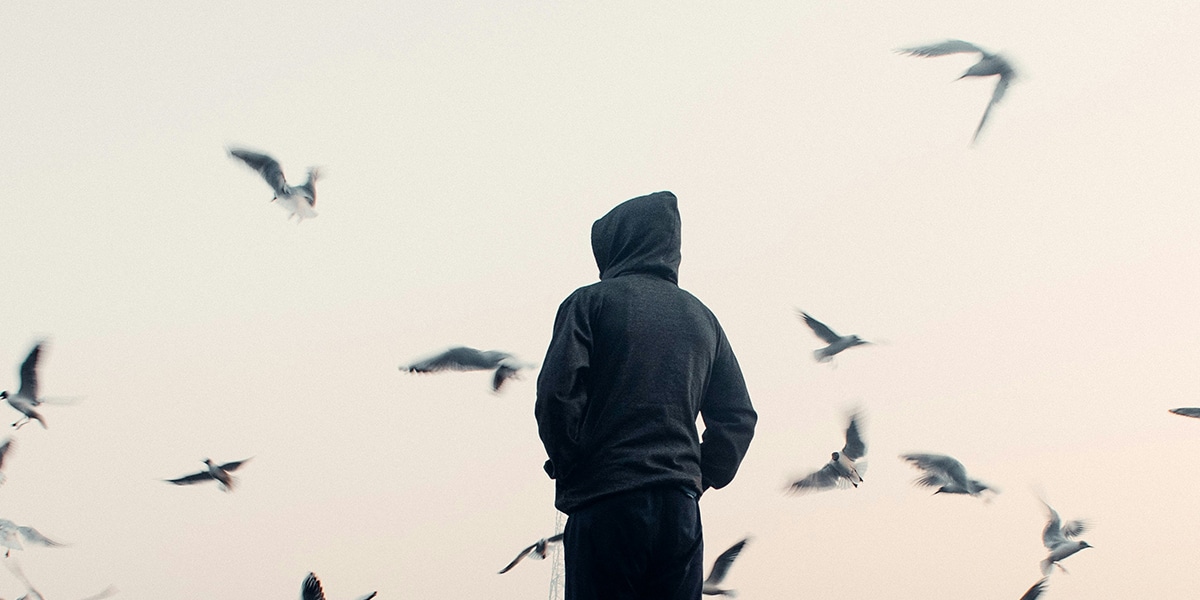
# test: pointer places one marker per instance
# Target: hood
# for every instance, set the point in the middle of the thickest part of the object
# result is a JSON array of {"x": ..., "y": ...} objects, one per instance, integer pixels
[{"x": 639, "y": 236}]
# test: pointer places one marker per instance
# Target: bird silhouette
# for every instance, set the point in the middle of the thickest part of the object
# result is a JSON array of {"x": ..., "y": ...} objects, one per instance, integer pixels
[
  {"x": 300, "y": 200},
  {"x": 989, "y": 64}
]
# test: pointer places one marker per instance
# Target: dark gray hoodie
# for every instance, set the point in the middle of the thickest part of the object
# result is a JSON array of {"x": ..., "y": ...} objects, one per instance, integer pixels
[{"x": 632, "y": 362}]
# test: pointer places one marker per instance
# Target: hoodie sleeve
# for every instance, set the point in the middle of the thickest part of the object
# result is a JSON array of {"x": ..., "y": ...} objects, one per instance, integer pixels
[
  {"x": 562, "y": 386},
  {"x": 729, "y": 420}
]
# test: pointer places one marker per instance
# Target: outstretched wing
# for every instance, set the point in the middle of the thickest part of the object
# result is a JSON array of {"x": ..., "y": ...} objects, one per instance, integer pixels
[
  {"x": 503, "y": 374},
  {"x": 233, "y": 466},
  {"x": 997, "y": 94},
  {"x": 721, "y": 566},
  {"x": 190, "y": 479},
  {"x": 1052, "y": 535},
  {"x": 938, "y": 466},
  {"x": 942, "y": 48},
  {"x": 823, "y": 479},
  {"x": 29, "y": 383},
  {"x": 521, "y": 556},
  {"x": 33, "y": 536},
  {"x": 1187, "y": 412},
  {"x": 819, "y": 328},
  {"x": 454, "y": 359},
  {"x": 312, "y": 589},
  {"x": 4, "y": 450},
  {"x": 1074, "y": 528},
  {"x": 855, "y": 448},
  {"x": 266, "y": 166}
]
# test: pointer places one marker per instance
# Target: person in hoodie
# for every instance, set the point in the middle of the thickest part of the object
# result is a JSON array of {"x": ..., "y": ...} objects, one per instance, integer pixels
[{"x": 633, "y": 360}]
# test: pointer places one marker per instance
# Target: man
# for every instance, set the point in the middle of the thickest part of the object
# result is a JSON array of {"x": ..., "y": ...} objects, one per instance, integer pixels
[{"x": 632, "y": 361}]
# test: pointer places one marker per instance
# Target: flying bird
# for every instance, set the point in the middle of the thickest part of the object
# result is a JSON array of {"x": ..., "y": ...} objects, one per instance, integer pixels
[
  {"x": 462, "y": 358},
  {"x": 538, "y": 550},
  {"x": 843, "y": 469},
  {"x": 720, "y": 568},
  {"x": 946, "y": 474},
  {"x": 299, "y": 201},
  {"x": 218, "y": 472},
  {"x": 1034, "y": 592},
  {"x": 33, "y": 594},
  {"x": 1057, "y": 537},
  {"x": 311, "y": 590},
  {"x": 989, "y": 64},
  {"x": 26, "y": 400},
  {"x": 11, "y": 535},
  {"x": 836, "y": 342},
  {"x": 1187, "y": 412}
]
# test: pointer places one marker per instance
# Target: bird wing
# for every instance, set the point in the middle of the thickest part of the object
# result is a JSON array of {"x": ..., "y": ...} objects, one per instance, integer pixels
[
  {"x": 1074, "y": 528},
  {"x": 997, "y": 94},
  {"x": 4, "y": 449},
  {"x": 943, "y": 48},
  {"x": 368, "y": 596},
  {"x": 825, "y": 478},
  {"x": 190, "y": 479},
  {"x": 1034, "y": 592},
  {"x": 521, "y": 556},
  {"x": 1052, "y": 535},
  {"x": 108, "y": 591},
  {"x": 854, "y": 448},
  {"x": 823, "y": 331},
  {"x": 29, "y": 381},
  {"x": 721, "y": 566},
  {"x": 946, "y": 467},
  {"x": 233, "y": 466},
  {"x": 266, "y": 166},
  {"x": 503, "y": 374},
  {"x": 34, "y": 536},
  {"x": 1187, "y": 412},
  {"x": 454, "y": 359},
  {"x": 311, "y": 589}
]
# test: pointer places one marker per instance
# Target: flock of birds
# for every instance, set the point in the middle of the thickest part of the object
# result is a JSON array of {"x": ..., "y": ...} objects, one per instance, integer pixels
[{"x": 845, "y": 469}]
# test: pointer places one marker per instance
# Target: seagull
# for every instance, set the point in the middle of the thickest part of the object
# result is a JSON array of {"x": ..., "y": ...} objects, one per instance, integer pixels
[
  {"x": 214, "y": 471},
  {"x": 720, "y": 568},
  {"x": 946, "y": 474},
  {"x": 462, "y": 358},
  {"x": 33, "y": 594},
  {"x": 842, "y": 470},
  {"x": 26, "y": 400},
  {"x": 537, "y": 550},
  {"x": 312, "y": 590},
  {"x": 10, "y": 540},
  {"x": 989, "y": 64},
  {"x": 300, "y": 200},
  {"x": 1034, "y": 592},
  {"x": 1187, "y": 412},
  {"x": 1057, "y": 538},
  {"x": 836, "y": 342}
]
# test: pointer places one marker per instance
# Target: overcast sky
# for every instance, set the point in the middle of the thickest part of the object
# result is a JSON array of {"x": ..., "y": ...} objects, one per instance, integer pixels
[{"x": 1034, "y": 295}]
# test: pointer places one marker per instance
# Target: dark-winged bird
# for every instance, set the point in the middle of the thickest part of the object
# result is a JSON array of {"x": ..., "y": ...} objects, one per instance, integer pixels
[
  {"x": 537, "y": 550},
  {"x": 220, "y": 473},
  {"x": 946, "y": 474},
  {"x": 1187, "y": 412},
  {"x": 836, "y": 342},
  {"x": 27, "y": 399},
  {"x": 299, "y": 200},
  {"x": 989, "y": 64},
  {"x": 843, "y": 469},
  {"x": 462, "y": 358},
  {"x": 311, "y": 589},
  {"x": 720, "y": 569},
  {"x": 1035, "y": 591},
  {"x": 1057, "y": 537}
]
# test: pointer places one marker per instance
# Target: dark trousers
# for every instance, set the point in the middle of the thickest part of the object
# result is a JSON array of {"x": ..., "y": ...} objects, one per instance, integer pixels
[{"x": 638, "y": 545}]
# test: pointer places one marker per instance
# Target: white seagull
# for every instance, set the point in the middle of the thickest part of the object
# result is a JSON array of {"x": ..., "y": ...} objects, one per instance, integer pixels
[
  {"x": 298, "y": 201},
  {"x": 1057, "y": 538},
  {"x": 311, "y": 590},
  {"x": 1187, "y": 412},
  {"x": 836, "y": 342},
  {"x": 720, "y": 568},
  {"x": 989, "y": 64},
  {"x": 537, "y": 550},
  {"x": 26, "y": 400},
  {"x": 214, "y": 471},
  {"x": 9, "y": 537},
  {"x": 462, "y": 358},
  {"x": 946, "y": 474},
  {"x": 843, "y": 469}
]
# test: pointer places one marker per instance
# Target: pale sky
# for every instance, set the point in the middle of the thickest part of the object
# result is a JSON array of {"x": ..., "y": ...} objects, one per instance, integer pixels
[{"x": 1035, "y": 295}]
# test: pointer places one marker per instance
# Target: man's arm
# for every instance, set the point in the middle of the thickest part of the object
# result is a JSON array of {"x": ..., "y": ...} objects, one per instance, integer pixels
[
  {"x": 729, "y": 419},
  {"x": 562, "y": 386}
]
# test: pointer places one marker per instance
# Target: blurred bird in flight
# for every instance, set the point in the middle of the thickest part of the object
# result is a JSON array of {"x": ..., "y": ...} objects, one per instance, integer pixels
[
  {"x": 836, "y": 342},
  {"x": 298, "y": 201},
  {"x": 220, "y": 473},
  {"x": 989, "y": 64},
  {"x": 843, "y": 469},
  {"x": 462, "y": 358}
]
